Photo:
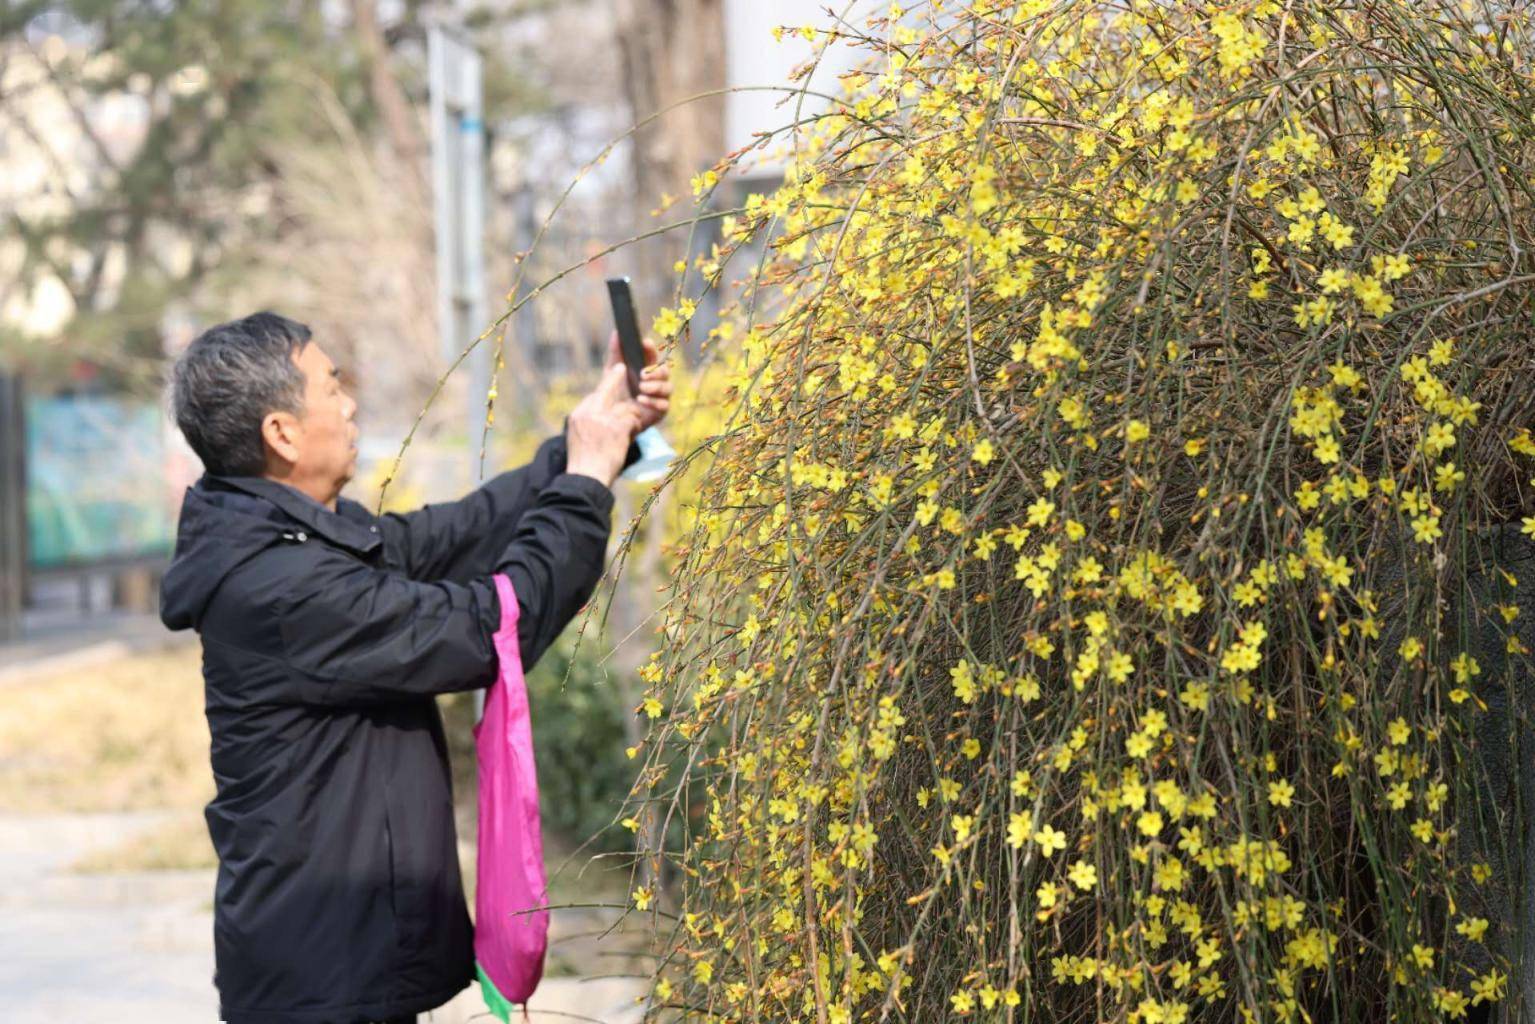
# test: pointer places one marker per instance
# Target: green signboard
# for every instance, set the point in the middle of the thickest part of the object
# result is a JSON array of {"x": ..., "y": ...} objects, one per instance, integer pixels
[{"x": 95, "y": 481}]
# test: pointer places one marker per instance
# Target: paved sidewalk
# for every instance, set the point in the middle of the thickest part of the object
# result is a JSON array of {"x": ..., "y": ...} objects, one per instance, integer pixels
[
  {"x": 135, "y": 948},
  {"x": 78, "y": 643},
  {"x": 138, "y": 949}
]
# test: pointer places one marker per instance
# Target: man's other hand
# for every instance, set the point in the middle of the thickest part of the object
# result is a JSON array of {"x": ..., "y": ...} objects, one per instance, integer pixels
[
  {"x": 655, "y": 394},
  {"x": 600, "y": 427}
]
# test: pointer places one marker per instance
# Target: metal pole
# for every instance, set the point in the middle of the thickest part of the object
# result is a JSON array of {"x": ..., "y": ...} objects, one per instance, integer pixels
[
  {"x": 458, "y": 180},
  {"x": 13, "y": 507},
  {"x": 471, "y": 240},
  {"x": 458, "y": 177},
  {"x": 442, "y": 186}
]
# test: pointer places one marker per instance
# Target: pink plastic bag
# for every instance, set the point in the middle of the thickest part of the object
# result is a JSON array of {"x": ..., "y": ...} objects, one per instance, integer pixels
[{"x": 511, "y": 929}]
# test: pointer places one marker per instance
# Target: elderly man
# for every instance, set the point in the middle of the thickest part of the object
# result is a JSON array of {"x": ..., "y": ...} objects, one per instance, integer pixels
[{"x": 326, "y": 631}]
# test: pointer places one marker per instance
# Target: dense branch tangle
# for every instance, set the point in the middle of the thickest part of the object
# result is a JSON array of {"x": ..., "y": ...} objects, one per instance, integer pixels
[{"x": 1089, "y": 614}]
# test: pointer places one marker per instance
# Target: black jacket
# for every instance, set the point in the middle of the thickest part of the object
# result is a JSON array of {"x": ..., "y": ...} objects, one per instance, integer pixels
[{"x": 325, "y": 635}]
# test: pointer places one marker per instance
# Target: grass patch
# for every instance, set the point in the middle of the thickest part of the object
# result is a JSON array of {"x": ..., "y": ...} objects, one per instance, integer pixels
[{"x": 128, "y": 735}]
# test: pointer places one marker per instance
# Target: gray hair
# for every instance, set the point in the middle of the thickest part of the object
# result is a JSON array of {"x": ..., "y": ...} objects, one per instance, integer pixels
[{"x": 228, "y": 380}]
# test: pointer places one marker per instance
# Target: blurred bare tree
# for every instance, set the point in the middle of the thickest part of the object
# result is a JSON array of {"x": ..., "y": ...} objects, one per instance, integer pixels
[
  {"x": 166, "y": 113},
  {"x": 353, "y": 259}
]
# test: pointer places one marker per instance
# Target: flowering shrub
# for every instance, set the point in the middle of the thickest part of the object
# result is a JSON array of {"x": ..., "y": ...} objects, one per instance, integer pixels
[{"x": 1081, "y": 619}]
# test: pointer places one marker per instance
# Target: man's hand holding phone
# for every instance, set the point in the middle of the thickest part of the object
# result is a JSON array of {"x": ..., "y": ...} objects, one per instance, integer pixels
[
  {"x": 602, "y": 424},
  {"x": 655, "y": 393}
]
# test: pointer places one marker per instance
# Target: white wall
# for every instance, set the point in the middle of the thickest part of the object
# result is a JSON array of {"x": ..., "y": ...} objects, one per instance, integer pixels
[{"x": 753, "y": 57}]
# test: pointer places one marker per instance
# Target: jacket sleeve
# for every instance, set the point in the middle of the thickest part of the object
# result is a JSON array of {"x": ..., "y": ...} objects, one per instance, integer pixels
[
  {"x": 460, "y": 540},
  {"x": 356, "y": 635}
]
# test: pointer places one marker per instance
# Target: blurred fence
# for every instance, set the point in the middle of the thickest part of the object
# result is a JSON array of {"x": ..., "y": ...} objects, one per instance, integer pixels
[
  {"x": 90, "y": 489},
  {"x": 95, "y": 482}
]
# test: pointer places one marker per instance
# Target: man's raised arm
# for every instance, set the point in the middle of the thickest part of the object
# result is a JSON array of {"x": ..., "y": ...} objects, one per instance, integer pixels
[
  {"x": 356, "y": 635},
  {"x": 459, "y": 540}
]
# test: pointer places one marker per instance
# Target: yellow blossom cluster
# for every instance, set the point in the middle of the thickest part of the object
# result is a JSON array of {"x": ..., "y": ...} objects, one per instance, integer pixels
[{"x": 1096, "y": 579}]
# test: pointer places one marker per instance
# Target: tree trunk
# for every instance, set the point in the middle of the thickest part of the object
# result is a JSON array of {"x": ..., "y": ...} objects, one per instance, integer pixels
[
  {"x": 670, "y": 50},
  {"x": 400, "y": 122}
]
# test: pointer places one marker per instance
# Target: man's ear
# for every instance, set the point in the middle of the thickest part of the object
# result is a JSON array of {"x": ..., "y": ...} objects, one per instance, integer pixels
[{"x": 282, "y": 433}]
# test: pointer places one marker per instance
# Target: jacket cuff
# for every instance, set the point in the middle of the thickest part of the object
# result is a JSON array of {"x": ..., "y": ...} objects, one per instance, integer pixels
[
  {"x": 630, "y": 457},
  {"x": 588, "y": 487},
  {"x": 557, "y": 452}
]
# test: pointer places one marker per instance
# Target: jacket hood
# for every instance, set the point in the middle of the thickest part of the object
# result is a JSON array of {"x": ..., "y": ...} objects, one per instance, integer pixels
[{"x": 219, "y": 530}]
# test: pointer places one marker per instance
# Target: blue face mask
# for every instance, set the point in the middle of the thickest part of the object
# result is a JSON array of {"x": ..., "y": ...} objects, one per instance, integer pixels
[{"x": 655, "y": 456}]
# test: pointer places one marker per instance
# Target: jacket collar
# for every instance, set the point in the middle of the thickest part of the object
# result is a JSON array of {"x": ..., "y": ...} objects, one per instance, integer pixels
[{"x": 356, "y": 532}]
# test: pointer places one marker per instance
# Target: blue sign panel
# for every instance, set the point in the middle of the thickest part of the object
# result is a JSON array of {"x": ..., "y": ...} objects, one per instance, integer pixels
[{"x": 95, "y": 481}]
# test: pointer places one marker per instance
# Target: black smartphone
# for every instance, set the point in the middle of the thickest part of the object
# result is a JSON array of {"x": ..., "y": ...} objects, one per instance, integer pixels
[{"x": 628, "y": 330}]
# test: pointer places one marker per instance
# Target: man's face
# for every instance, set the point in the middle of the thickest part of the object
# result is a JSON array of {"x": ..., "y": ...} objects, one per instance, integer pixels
[{"x": 327, "y": 441}]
